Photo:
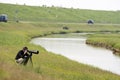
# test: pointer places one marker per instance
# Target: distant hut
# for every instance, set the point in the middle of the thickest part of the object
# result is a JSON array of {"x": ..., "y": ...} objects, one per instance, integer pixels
[
  {"x": 90, "y": 21},
  {"x": 3, "y": 18}
]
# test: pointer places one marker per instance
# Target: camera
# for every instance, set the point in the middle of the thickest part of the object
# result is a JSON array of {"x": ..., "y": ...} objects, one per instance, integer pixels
[{"x": 33, "y": 51}]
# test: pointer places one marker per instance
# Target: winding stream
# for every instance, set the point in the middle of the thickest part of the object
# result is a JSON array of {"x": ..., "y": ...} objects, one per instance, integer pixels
[{"x": 73, "y": 47}]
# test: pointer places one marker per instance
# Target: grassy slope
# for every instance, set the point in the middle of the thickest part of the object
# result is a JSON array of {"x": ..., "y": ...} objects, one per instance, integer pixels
[
  {"x": 47, "y": 66},
  {"x": 58, "y": 14}
]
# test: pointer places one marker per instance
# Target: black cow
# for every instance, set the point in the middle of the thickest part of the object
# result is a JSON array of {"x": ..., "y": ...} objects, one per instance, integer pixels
[{"x": 66, "y": 28}]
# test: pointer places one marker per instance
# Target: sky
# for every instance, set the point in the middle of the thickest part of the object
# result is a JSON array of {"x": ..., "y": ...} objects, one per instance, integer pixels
[{"x": 111, "y": 5}]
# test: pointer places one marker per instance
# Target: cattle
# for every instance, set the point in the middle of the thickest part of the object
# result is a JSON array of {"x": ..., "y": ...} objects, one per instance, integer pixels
[{"x": 65, "y": 27}]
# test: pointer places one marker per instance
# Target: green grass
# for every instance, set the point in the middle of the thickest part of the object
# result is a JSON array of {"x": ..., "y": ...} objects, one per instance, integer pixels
[
  {"x": 56, "y": 14},
  {"x": 110, "y": 40},
  {"x": 42, "y": 21},
  {"x": 47, "y": 66}
]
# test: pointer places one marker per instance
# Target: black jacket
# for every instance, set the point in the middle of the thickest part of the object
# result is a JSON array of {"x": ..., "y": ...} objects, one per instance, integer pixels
[{"x": 21, "y": 54}]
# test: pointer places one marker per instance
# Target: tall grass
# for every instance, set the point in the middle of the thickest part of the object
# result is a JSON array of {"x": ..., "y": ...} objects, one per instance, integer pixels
[
  {"x": 110, "y": 40},
  {"x": 46, "y": 65}
]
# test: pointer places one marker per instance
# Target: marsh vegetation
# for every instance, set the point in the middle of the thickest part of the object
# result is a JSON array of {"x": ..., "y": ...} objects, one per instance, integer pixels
[{"x": 49, "y": 66}]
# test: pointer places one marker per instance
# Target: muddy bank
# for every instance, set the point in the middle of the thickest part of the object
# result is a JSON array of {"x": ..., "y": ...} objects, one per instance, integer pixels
[{"x": 107, "y": 46}]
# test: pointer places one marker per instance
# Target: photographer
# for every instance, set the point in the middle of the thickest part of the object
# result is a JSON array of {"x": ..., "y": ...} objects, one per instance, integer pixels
[{"x": 23, "y": 56}]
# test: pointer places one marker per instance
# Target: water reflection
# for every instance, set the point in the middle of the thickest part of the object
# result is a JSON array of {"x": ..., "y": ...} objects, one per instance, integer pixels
[{"x": 73, "y": 46}]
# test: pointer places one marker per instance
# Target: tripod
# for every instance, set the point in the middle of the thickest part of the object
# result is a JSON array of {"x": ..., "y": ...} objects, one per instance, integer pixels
[
  {"x": 31, "y": 60},
  {"x": 27, "y": 58}
]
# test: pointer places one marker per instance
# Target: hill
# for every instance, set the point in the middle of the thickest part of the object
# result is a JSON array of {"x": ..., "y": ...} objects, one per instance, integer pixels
[
  {"x": 47, "y": 65},
  {"x": 56, "y": 14}
]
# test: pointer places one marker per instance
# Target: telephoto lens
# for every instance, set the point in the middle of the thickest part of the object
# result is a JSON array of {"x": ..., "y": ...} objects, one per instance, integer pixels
[{"x": 33, "y": 51}]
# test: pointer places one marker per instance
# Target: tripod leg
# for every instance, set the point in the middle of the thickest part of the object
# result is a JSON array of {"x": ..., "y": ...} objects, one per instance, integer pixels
[
  {"x": 31, "y": 61},
  {"x": 27, "y": 58}
]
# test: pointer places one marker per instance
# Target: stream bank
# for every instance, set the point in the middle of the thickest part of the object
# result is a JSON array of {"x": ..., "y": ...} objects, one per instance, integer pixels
[
  {"x": 73, "y": 46},
  {"x": 107, "y": 46}
]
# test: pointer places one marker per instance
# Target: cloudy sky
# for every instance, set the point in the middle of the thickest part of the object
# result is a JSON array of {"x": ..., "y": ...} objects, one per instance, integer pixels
[{"x": 82, "y": 4}]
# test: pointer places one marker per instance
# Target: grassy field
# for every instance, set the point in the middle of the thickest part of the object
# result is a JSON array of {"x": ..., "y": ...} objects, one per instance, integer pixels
[
  {"x": 56, "y": 14},
  {"x": 42, "y": 21},
  {"x": 47, "y": 66}
]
